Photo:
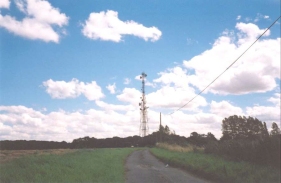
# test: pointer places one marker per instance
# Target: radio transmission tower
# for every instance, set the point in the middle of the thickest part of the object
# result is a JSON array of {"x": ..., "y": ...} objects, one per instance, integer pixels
[{"x": 143, "y": 109}]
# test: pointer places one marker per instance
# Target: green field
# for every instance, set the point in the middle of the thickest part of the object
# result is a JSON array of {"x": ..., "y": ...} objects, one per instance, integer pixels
[
  {"x": 107, "y": 165},
  {"x": 216, "y": 168},
  {"x": 93, "y": 165}
]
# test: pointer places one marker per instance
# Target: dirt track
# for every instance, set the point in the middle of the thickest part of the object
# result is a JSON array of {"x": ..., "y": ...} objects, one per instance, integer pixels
[{"x": 143, "y": 167}]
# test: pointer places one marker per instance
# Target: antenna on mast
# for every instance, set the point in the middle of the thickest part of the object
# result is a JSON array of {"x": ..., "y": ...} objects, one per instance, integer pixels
[{"x": 143, "y": 109}]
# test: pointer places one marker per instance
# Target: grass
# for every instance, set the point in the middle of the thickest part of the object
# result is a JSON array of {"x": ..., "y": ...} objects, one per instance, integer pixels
[
  {"x": 93, "y": 165},
  {"x": 216, "y": 168},
  {"x": 178, "y": 148},
  {"x": 8, "y": 155}
]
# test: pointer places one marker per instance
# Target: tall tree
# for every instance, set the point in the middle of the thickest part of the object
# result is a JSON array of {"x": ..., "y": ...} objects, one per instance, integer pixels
[
  {"x": 265, "y": 132},
  {"x": 211, "y": 136},
  {"x": 275, "y": 129},
  {"x": 167, "y": 130},
  {"x": 237, "y": 127},
  {"x": 194, "y": 134}
]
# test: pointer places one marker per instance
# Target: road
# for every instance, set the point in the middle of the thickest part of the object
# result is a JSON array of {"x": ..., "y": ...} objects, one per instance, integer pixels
[{"x": 142, "y": 167}]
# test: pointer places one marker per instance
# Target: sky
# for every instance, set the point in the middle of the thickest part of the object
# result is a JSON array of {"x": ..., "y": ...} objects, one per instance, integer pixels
[{"x": 70, "y": 69}]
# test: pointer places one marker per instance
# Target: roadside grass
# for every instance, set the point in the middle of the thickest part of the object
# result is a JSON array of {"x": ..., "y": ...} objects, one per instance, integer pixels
[
  {"x": 217, "y": 169},
  {"x": 89, "y": 165},
  {"x": 178, "y": 148}
]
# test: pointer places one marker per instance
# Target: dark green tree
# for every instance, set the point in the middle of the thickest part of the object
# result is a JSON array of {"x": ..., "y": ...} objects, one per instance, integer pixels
[
  {"x": 265, "y": 132},
  {"x": 194, "y": 134},
  {"x": 167, "y": 130},
  {"x": 161, "y": 128},
  {"x": 274, "y": 129},
  {"x": 210, "y": 136},
  {"x": 237, "y": 127}
]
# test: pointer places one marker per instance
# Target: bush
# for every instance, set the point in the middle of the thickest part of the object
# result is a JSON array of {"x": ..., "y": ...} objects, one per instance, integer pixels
[{"x": 263, "y": 152}]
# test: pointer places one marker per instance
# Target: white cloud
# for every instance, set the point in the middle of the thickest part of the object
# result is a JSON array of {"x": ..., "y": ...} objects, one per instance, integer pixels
[
  {"x": 111, "y": 88},
  {"x": 92, "y": 91},
  {"x": 107, "y": 26},
  {"x": 73, "y": 89},
  {"x": 267, "y": 113},
  {"x": 275, "y": 99},
  {"x": 238, "y": 17},
  {"x": 127, "y": 81},
  {"x": 19, "y": 122},
  {"x": 171, "y": 97},
  {"x": 249, "y": 32},
  {"x": 255, "y": 71},
  {"x": 62, "y": 89},
  {"x": 130, "y": 95},
  {"x": 138, "y": 77},
  {"x": 225, "y": 109},
  {"x": 176, "y": 76},
  {"x": 148, "y": 83},
  {"x": 175, "y": 91},
  {"x": 113, "y": 107},
  {"x": 40, "y": 21},
  {"x": 264, "y": 113},
  {"x": 5, "y": 3},
  {"x": 184, "y": 124}
]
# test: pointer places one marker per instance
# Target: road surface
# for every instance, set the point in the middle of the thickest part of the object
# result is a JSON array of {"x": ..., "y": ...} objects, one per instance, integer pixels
[{"x": 142, "y": 167}]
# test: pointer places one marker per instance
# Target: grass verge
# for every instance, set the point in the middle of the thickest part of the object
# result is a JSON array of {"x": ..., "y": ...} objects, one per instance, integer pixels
[
  {"x": 216, "y": 168},
  {"x": 178, "y": 148},
  {"x": 93, "y": 165}
]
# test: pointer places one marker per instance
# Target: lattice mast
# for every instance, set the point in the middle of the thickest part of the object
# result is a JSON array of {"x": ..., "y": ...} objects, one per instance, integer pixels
[{"x": 143, "y": 117}]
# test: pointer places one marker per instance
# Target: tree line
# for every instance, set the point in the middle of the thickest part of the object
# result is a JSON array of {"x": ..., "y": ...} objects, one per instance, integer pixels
[
  {"x": 248, "y": 139},
  {"x": 243, "y": 139}
]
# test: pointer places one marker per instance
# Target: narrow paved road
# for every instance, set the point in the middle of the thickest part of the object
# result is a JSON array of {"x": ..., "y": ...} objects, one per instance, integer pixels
[{"x": 142, "y": 167}]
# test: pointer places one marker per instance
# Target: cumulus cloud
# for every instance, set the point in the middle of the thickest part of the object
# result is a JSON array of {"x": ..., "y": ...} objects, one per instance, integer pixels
[
  {"x": 225, "y": 109},
  {"x": 256, "y": 71},
  {"x": 73, "y": 89},
  {"x": 264, "y": 113},
  {"x": 175, "y": 91},
  {"x": 111, "y": 88},
  {"x": 171, "y": 97},
  {"x": 114, "y": 107},
  {"x": 5, "y": 3},
  {"x": 41, "y": 21},
  {"x": 20, "y": 122},
  {"x": 249, "y": 32},
  {"x": 275, "y": 99},
  {"x": 130, "y": 95},
  {"x": 267, "y": 113},
  {"x": 107, "y": 26},
  {"x": 184, "y": 124}
]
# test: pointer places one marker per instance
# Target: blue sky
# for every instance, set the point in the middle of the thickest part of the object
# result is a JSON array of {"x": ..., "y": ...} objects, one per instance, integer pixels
[{"x": 69, "y": 69}]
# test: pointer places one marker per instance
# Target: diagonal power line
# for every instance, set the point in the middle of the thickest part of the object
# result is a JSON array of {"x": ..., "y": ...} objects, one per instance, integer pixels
[{"x": 227, "y": 67}]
